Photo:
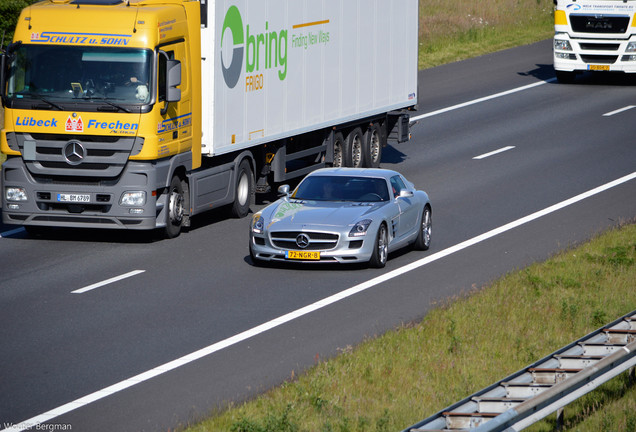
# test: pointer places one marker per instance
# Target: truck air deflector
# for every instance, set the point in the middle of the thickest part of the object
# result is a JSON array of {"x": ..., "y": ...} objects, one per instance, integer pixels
[{"x": 97, "y": 2}]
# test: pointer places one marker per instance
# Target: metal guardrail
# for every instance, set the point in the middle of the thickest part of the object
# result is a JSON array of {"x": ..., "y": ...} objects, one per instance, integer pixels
[{"x": 544, "y": 387}]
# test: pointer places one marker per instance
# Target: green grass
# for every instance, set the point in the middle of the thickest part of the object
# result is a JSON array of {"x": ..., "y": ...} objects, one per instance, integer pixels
[
  {"x": 453, "y": 30},
  {"x": 406, "y": 375}
]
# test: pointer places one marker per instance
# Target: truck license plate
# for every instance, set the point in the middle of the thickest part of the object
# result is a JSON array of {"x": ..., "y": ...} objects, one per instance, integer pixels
[
  {"x": 598, "y": 67},
  {"x": 302, "y": 255},
  {"x": 73, "y": 198}
]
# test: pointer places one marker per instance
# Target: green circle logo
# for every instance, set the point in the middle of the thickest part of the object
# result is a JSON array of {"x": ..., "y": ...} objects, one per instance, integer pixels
[{"x": 234, "y": 23}]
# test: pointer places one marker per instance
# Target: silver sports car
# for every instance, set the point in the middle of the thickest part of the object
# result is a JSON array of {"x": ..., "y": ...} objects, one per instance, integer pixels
[{"x": 343, "y": 215}]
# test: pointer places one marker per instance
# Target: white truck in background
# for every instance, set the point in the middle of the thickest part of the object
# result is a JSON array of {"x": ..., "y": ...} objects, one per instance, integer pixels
[
  {"x": 594, "y": 35},
  {"x": 139, "y": 114}
]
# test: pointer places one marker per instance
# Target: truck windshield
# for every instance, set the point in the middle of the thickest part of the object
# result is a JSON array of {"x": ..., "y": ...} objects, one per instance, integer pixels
[{"x": 59, "y": 74}]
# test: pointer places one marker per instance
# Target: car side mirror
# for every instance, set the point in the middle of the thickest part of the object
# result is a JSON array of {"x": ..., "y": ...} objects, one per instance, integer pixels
[
  {"x": 283, "y": 190},
  {"x": 404, "y": 193}
]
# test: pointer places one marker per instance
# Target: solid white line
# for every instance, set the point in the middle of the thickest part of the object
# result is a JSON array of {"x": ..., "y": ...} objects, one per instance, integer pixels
[
  {"x": 483, "y": 99},
  {"x": 108, "y": 391},
  {"x": 10, "y": 233},
  {"x": 501, "y": 150},
  {"x": 618, "y": 111},
  {"x": 106, "y": 282}
]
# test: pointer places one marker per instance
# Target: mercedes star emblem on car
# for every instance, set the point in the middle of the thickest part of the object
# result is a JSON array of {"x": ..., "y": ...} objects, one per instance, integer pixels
[{"x": 302, "y": 241}]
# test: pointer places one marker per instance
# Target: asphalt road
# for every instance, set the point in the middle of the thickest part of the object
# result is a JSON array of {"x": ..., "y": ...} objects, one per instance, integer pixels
[{"x": 198, "y": 326}]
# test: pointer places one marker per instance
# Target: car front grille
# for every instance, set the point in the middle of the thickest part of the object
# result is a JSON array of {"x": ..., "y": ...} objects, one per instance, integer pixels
[{"x": 317, "y": 241}]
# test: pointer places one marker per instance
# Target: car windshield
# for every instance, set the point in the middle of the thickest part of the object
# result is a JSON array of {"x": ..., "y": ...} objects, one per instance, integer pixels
[
  {"x": 339, "y": 188},
  {"x": 62, "y": 74}
]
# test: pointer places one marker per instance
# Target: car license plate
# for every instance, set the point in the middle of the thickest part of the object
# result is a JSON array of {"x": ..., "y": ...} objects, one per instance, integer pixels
[
  {"x": 302, "y": 255},
  {"x": 73, "y": 198},
  {"x": 598, "y": 67}
]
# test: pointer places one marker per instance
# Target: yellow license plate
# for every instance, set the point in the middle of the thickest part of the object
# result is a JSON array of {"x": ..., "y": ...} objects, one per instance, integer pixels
[
  {"x": 302, "y": 255},
  {"x": 598, "y": 67}
]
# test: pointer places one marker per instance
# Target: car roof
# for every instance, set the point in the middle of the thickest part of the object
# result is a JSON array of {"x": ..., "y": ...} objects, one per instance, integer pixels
[{"x": 357, "y": 172}]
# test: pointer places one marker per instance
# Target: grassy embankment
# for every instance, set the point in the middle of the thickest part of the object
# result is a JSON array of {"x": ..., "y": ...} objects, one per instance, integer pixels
[{"x": 392, "y": 381}]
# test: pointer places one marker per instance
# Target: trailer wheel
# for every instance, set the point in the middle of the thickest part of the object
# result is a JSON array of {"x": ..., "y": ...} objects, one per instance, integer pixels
[
  {"x": 353, "y": 149},
  {"x": 338, "y": 150},
  {"x": 372, "y": 149},
  {"x": 175, "y": 210},
  {"x": 244, "y": 190}
]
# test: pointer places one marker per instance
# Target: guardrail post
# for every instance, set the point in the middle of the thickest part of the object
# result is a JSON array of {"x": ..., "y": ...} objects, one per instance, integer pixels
[{"x": 560, "y": 415}]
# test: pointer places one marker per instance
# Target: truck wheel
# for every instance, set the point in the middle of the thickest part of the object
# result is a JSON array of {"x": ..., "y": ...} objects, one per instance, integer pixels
[
  {"x": 338, "y": 150},
  {"x": 175, "y": 208},
  {"x": 372, "y": 149},
  {"x": 353, "y": 149},
  {"x": 244, "y": 190}
]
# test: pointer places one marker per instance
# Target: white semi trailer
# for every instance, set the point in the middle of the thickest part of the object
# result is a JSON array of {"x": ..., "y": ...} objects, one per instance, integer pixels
[{"x": 139, "y": 114}]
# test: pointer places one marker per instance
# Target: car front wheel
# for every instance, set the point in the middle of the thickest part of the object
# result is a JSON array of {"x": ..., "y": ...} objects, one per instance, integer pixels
[
  {"x": 380, "y": 249},
  {"x": 423, "y": 241}
]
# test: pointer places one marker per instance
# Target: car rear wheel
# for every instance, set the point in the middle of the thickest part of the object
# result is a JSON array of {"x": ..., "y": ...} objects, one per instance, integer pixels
[
  {"x": 380, "y": 249},
  {"x": 423, "y": 241}
]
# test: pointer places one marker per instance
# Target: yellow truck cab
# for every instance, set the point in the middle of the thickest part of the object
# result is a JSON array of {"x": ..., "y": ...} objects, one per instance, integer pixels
[{"x": 138, "y": 114}]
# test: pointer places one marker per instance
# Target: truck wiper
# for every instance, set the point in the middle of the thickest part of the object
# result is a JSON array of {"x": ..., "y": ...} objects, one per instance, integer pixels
[
  {"x": 114, "y": 105},
  {"x": 48, "y": 102}
]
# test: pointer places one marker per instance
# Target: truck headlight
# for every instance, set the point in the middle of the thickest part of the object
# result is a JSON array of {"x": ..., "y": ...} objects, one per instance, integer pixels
[
  {"x": 15, "y": 194},
  {"x": 133, "y": 198},
  {"x": 360, "y": 229},
  {"x": 631, "y": 47},
  {"x": 562, "y": 45}
]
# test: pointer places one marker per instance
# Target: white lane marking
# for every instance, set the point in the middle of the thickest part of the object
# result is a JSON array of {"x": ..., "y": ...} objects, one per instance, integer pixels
[
  {"x": 618, "y": 111},
  {"x": 12, "y": 232},
  {"x": 501, "y": 150},
  {"x": 483, "y": 99},
  {"x": 108, "y": 281},
  {"x": 108, "y": 391}
]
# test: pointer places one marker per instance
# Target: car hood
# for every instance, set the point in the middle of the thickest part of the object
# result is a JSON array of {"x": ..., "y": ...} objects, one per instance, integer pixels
[{"x": 326, "y": 213}]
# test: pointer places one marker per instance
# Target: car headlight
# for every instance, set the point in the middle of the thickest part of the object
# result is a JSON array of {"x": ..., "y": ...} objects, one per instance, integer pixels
[
  {"x": 360, "y": 229},
  {"x": 562, "y": 45},
  {"x": 15, "y": 194},
  {"x": 258, "y": 224}
]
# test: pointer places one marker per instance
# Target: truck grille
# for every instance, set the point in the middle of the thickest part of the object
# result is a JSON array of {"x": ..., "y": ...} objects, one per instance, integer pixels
[
  {"x": 317, "y": 241},
  {"x": 600, "y": 46},
  {"x": 82, "y": 156},
  {"x": 599, "y": 59},
  {"x": 599, "y": 23}
]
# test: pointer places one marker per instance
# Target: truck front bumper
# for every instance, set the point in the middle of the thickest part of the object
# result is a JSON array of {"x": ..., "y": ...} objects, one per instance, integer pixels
[
  {"x": 582, "y": 54},
  {"x": 92, "y": 203}
]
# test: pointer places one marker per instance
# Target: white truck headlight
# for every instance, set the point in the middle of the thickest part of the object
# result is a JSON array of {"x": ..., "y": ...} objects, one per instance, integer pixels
[
  {"x": 631, "y": 47},
  {"x": 562, "y": 45},
  {"x": 15, "y": 193},
  {"x": 133, "y": 198}
]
